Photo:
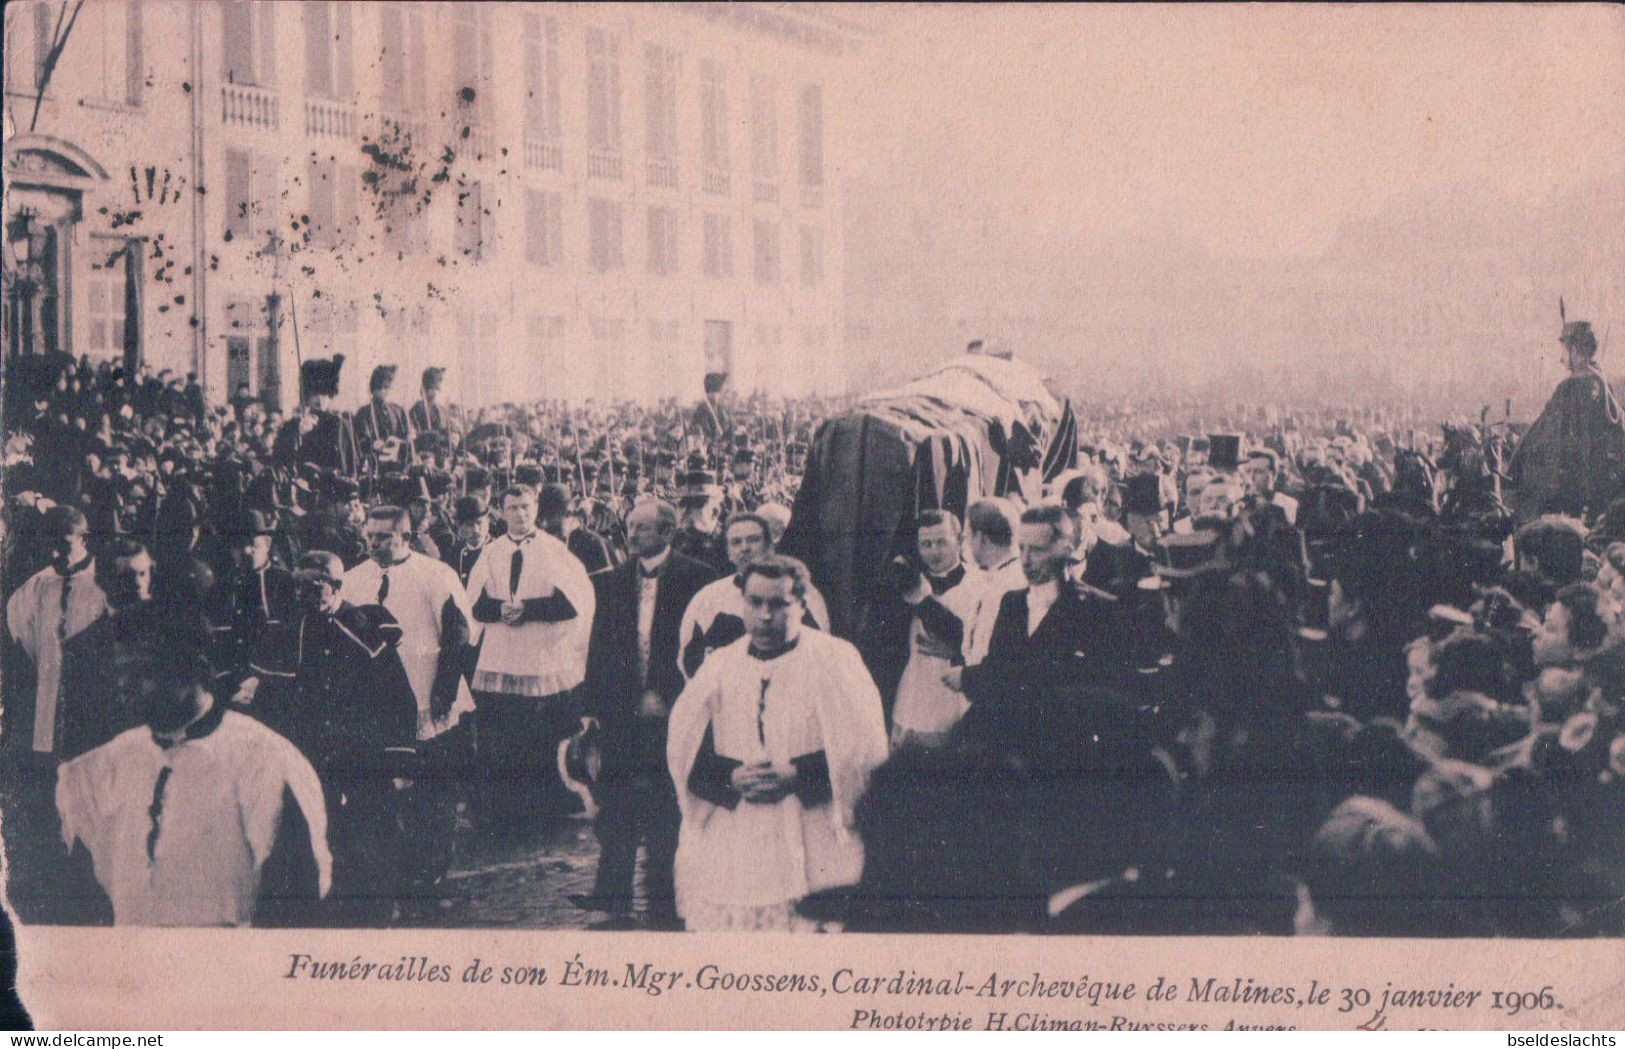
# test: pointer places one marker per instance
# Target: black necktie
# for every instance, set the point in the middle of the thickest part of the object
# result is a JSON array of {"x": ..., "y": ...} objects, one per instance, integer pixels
[
  {"x": 515, "y": 567},
  {"x": 383, "y": 587}
]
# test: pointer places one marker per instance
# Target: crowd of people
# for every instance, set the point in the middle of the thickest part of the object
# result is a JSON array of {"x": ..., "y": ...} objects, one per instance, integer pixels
[{"x": 1305, "y": 674}]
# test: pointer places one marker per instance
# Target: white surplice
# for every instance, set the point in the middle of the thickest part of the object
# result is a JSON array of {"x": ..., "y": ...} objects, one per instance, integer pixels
[
  {"x": 748, "y": 866},
  {"x": 419, "y": 588},
  {"x": 216, "y": 824}
]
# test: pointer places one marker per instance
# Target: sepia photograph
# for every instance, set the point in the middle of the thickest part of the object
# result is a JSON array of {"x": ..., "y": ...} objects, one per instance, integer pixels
[{"x": 1000, "y": 472}]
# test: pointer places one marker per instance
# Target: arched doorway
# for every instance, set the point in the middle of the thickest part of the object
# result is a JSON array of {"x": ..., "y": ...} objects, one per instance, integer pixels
[{"x": 47, "y": 180}]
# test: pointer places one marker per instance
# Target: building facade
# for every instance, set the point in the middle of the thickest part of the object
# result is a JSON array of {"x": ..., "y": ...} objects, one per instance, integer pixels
[{"x": 550, "y": 200}]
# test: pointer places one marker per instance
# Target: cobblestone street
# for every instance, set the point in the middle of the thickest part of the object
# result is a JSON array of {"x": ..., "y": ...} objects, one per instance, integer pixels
[{"x": 523, "y": 884}]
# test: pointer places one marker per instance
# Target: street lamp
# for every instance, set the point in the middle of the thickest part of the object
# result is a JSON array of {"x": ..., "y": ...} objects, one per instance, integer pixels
[
  {"x": 21, "y": 239},
  {"x": 24, "y": 273}
]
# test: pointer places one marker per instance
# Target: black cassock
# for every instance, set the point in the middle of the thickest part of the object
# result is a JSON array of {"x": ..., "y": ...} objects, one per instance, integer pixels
[{"x": 335, "y": 686}]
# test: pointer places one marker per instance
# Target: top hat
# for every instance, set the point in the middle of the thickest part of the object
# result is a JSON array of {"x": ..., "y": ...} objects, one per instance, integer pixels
[
  {"x": 699, "y": 486},
  {"x": 1142, "y": 494},
  {"x": 1224, "y": 451}
]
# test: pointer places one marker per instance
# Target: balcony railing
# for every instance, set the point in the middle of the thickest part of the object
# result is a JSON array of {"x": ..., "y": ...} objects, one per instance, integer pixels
[
  {"x": 249, "y": 106},
  {"x": 393, "y": 127},
  {"x": 543, "y": 154},
  {"x": 663, "y": 172},
  {"x": 812, "y": 196},
  {"x": 328, "y": 119},
  {"x": 765, "y": 192},
  {"x": 603, "y": 163},
  {"x": 714, "y": 181}
]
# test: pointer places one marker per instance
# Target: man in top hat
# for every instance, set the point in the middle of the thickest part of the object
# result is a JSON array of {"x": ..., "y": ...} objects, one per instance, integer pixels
[
  {"x": 473, "y": 532},
  {"x": 1118, "y": 568},
  {"x": 554, "y": 517},
  {"x": 316, "y": 434},
  {"x": 433, "y": 422},
  {"x": 257, "y": 593},
  {"x": 1572, "y": 460},
  {"x": 382, "y": 429}
]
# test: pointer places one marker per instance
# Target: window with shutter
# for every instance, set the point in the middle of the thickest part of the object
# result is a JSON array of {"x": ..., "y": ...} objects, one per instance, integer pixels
[
  {"x": 662, "y": 241},
  {"x": 470, "y": 234},
  {"x": 714, "y": 114},
  {"x": 718, "y": 245},
  {"x": 265, "y": 33},
  {"x": 347, "y": 181},
  {"x": 44, "y": 30},
  {"x": 135, "y": 56},
  {"x": 812, "y": 256},
  {"x": 603, "y": 91},
  {"x": 661, "y": 102},
  {"x": 320, "y": 179},
  {"x": 767, "y": 251},
  {"x": 239, "y": 195},
  {"x": 812, "y": 135},
  {"x": 764, "y": 127},
  {"x": 543, "y": 223},
  {"x": 392, "y": 53},
  {"x": 104, "y": 35},
  {"x": 237, "y": 41},
  {"x": 318, "y": 49},
  {"x": 606, "y": 235}
]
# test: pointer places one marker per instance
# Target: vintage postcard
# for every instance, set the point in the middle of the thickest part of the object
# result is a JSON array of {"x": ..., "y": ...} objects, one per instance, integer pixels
[{"x": 854, "y": 516}]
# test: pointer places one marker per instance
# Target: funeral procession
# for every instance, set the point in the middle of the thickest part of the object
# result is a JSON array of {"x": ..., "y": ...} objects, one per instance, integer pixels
[{"x": 734, "y": 466}]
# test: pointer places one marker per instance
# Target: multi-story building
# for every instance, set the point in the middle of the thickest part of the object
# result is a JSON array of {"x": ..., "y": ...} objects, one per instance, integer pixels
[{"x": 548, "y": 199}]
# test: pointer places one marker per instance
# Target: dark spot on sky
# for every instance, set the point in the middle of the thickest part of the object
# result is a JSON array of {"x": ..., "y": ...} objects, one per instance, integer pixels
[
  {"x": 186, "y": 86},
  {"x": 466, "y": 95}
]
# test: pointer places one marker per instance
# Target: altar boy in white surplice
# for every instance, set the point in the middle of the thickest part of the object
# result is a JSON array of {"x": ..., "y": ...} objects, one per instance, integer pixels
[{"x": 771, "y": 746}]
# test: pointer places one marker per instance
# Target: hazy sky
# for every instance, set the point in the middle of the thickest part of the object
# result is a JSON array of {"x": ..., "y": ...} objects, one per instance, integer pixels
[{"x": 1255, "y": 130}]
